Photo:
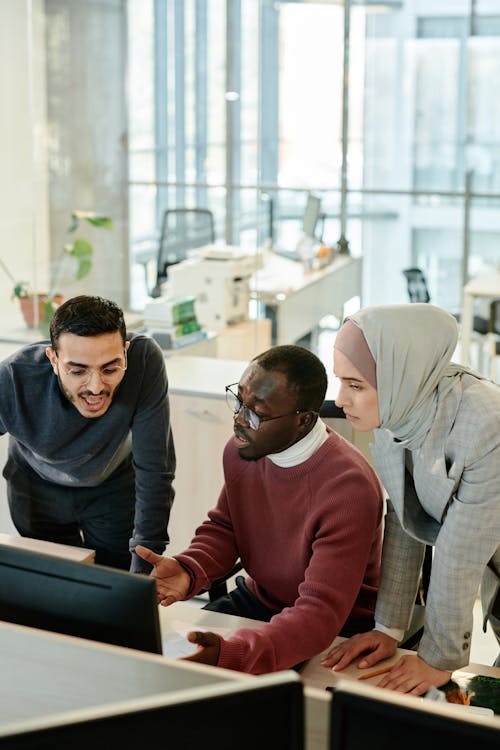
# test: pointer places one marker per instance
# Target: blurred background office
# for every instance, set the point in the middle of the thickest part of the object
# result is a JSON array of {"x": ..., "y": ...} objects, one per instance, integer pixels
[{"x": 385, "y": 110}]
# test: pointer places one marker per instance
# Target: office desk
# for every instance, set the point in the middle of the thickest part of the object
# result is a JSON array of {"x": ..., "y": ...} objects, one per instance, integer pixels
[
  {"x": 484, "y": 286},
  {"x": 77, "y": 554},
  {"x": 297, "y": 299},
  {"x": 57, "y": 691},
  {"x": 181, "y": 617}
]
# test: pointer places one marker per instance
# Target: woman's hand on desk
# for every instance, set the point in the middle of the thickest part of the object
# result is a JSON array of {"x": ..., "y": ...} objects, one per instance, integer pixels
[
  {"x": 378, "y": 645},
  {"x": 208, "y": 647},
  {"x": 411, "y": 674},
  {"x": 172, "y": 581}
]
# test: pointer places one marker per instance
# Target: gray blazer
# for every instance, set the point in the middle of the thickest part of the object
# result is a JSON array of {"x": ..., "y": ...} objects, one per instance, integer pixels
[{"x": 453, "y": 503}]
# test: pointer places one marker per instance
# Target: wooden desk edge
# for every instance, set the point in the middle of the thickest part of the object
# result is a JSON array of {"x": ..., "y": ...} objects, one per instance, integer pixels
[{"x": 77, "y": 554}]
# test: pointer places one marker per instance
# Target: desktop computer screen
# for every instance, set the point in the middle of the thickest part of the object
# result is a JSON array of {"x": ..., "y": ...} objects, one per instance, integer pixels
[
  {"x": 80, "y": 599},
  {"x": 367, "y": 717},
  {"x": 312, "y": 213}
]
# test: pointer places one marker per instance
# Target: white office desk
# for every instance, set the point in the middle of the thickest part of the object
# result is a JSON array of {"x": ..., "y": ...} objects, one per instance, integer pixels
[
  {"x": 181, "y": 617},
  {"x": 67, "y": 551},
  {"x": 299, "y": 298},
  {"x": 484, "y": 286}
]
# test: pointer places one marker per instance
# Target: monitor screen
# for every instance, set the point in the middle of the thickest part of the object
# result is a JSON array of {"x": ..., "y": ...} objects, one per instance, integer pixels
[
  {"x": 367, "y": 717},
  {"x": 80, "y": 599},
  {"x": 245, "y": 716},
  {"x": 311, "y": 215}
]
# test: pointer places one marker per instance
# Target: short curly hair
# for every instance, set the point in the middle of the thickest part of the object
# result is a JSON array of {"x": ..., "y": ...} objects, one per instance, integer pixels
[
  {"x": 86, "y": 315},
  {"x": 304, "y": 371}
]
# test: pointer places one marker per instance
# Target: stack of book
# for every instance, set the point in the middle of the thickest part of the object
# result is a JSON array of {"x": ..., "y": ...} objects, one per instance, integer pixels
[{"x": 172, "y": 321}]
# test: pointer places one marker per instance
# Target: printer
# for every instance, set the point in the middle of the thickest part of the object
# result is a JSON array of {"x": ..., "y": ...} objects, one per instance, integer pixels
[{"x": 219, "y": 278}]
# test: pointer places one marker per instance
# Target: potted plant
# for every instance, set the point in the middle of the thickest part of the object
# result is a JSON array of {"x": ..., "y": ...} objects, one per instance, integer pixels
[{"x": 38, "y": 308}]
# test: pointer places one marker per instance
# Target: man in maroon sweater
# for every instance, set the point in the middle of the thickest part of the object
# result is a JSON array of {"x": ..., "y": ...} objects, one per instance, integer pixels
[{"x": 302, "y": 509}]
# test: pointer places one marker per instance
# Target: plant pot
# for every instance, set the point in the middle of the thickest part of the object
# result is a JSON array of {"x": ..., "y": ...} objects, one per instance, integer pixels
[{"x": 28, "y": 308}]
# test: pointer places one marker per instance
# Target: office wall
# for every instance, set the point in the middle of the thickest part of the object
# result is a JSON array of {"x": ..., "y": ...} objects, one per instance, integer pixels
[
  {"x": 86, "y": 50},
  {"x": 23, "y": 175},
  {"x": 63, "y": 142}
]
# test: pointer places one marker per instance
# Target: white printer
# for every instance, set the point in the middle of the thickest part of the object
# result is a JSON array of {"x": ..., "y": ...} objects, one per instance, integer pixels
[{"x": 219, "y": 278}]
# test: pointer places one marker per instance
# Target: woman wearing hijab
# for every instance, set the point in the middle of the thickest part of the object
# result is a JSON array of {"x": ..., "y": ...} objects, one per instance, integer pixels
[{"x": 437, "y": 452}]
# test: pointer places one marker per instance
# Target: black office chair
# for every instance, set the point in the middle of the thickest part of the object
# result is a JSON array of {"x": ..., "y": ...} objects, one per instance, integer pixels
[
  {"x": 418, "y": 291},
  {"x": 182, "y": 229},
  {"x": 417, "y": 285},
  {"x": 219, "y": 587}
]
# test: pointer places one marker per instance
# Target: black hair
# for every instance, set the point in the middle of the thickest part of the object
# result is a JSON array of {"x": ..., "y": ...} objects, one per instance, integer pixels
[
  {"x": 304, "y": 371},
  {"x": 87, "y": 316}
]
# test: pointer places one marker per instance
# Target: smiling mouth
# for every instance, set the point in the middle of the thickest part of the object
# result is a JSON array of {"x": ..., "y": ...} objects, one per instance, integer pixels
[{"x": 94, "y": 402}]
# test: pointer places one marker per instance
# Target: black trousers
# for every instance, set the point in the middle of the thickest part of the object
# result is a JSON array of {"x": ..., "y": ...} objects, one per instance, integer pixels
[{"x": 100, "y": 518}]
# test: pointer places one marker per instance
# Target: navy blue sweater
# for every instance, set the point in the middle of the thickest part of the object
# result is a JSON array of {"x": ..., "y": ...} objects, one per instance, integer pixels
[{"x": 51, "y": 438}]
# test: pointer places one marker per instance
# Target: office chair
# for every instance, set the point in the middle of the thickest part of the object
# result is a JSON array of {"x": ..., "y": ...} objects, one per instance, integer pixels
[
  {"x": 219, "y": 587},
  {"x": 418, "y": 291},
  {"x": 182, "y": 229},
  {"x": 417, "y": 285}
]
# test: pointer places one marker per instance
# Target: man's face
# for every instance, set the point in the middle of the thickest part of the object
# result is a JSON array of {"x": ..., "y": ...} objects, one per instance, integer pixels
[
  {"x": 266, "y": 393},
  {"x": 90, "y": 369}
]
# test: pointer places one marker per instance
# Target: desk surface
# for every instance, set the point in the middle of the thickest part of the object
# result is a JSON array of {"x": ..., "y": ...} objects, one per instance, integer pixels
[
  {"x": 177, "y": 619},
  {"x": 484, "y": 285},
  {"x": 281, "y": 276},
  {"x": 77, "y": 554},
  {"x": 14, "y": 330}
]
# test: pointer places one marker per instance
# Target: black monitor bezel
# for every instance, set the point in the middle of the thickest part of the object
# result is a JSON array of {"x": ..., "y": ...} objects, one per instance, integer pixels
[{"x": 106, "y": 604}]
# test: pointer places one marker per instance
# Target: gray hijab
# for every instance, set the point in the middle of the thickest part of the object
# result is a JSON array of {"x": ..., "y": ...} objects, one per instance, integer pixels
[{"x": 412, "y": 346}]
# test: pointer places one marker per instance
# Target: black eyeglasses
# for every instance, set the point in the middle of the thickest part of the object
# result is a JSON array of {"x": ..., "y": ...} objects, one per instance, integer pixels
[{"x": 251, "y": 418}]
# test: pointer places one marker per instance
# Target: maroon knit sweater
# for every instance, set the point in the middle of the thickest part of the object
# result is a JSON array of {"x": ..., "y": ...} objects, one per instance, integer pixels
[{"x": 309, "y": 537}]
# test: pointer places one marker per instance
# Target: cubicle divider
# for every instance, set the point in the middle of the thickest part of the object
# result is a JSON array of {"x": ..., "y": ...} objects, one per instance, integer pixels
[{"x": 59, "y": 692}]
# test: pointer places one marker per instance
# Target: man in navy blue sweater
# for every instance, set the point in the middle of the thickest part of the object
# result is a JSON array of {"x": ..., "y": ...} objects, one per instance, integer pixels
[{"x": 91, "y": 456}]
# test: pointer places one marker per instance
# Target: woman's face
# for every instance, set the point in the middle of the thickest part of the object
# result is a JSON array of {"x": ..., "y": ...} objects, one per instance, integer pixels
[{"x": 355, "y": 396}]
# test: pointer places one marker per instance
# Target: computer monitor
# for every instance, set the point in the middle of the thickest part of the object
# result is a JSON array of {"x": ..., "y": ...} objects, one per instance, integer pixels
[
  {"x": 266, "y": 714},
  {"x": 367, "y": 717},
  {"x": 312, "y": 213},
  {"x": 81, "y": 599}
]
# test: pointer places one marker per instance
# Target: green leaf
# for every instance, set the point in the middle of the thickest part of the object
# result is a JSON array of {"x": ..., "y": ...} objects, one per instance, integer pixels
[
  {"x": 20, "y": 289},
  {"x": 100, "y": 221},
  {"x": 84, "y": 267},
  {"x": 81, "y": 248},
  {"x": 74, "y": 224}
]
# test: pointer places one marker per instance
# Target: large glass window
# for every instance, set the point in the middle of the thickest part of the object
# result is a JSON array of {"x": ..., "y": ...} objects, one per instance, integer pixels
[{"x": 244, "y": 107}]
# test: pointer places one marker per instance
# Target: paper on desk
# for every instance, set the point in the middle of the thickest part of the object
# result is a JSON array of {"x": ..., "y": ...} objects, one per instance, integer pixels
[{"x": 175, "y": 644}]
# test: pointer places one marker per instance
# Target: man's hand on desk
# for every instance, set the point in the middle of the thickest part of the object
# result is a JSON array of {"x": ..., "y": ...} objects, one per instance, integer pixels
[
  {"x": 379, "y": 645},
  {"x": 172, "y": 581},
  {"x": 208, "y": 647}
]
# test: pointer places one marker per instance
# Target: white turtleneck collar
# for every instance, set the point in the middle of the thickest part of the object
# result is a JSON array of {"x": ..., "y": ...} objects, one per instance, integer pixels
[{"x": 304, "y": 449}]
